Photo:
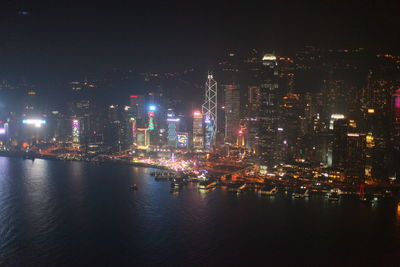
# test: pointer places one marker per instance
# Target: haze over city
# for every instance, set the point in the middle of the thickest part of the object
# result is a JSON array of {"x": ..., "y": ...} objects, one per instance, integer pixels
[{"x": 189, "y": 133}]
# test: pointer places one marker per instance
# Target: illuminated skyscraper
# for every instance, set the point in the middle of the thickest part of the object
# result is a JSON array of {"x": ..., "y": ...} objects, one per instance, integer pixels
[
  {"x": 340, "y": 129},
  {"x": 138, "y": 109},
  {"x": 209, "y": 110},
  {"x": 198, "y": 131},
  {"x": 75, "y": 132},
  {"x": 268, "y": 110},
  {"x": 355, "y": 157},
  {"x": 172, "y": 122},
  {"x": 232, "y": 112},
  {"x": 396, "y": 119}
]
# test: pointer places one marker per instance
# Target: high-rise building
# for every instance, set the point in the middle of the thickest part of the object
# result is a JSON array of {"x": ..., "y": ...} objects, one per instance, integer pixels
[
  {"x": 138, "y": 109},
  {"x": 268, "y": 110},
  {"x": 339, "y": 143},
  {"x": 349, "y": 150},
  {"x": 355, "y": 157},
  {"x": 76, "y": 129},
  {"x": 232, "y": 112},
  {"x": 143, "y": 138},
  {"x": 198, "y": 131},
  {"x": 117, "y": 130},
  {"x": 182, "y": 140},
  {"x": 290, "y": 124},
  {"x": 396, "y": 119},
  {"x": 210, "y": 112},
  {"x": 173, "y": 125}
]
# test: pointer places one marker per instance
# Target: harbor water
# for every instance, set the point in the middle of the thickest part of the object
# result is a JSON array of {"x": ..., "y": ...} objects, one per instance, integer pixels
[{"x": 64, "y": 213}]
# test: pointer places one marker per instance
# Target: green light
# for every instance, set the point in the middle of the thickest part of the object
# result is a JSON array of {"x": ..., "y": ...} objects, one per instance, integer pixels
[{"x": 151, "y": 124}]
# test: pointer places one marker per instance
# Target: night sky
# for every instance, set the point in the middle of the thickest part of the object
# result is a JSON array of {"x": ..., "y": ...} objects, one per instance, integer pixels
[{"x": 65, "y": 39}]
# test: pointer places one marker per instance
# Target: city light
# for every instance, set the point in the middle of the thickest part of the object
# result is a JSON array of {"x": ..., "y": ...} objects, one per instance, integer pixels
[
  {"x": 183, "y": 140},
  {"x": 36, "y": 122},
  {"x": 75, "y": 131},
  {"x": 152, "y": 108},
  {"x": 173, "y": 120},
  {"x": 2, "y": 131},
  {"x": 151, "y": 123},
  {"x": 337, "y": 116},
  {"x": 269, "y": 57},
  {"x": 353, "y": 134},
  {"x": 197, "y": 114}
]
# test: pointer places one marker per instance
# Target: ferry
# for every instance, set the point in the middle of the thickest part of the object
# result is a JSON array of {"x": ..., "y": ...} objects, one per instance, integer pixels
[
  {"x": 175, "y": 191},
  {"x": 368, "y": 198},
  {"x": 134, "y": 187},
  {"x": 207, "y": 185},
  {"x": 302, "y": 193},
  {"x": 333, "y": 196},
  {"x": 234, "y": 187},
  {"x": 176, "y": 184},
  {"x": 268, "y": 190}
]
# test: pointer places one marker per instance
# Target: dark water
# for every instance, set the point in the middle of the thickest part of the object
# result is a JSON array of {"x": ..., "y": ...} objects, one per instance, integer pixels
[{"x": 80, "y": 214}]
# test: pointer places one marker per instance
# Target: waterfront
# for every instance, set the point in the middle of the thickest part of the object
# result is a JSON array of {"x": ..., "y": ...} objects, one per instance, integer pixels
[{"x": 83, "y": 214}]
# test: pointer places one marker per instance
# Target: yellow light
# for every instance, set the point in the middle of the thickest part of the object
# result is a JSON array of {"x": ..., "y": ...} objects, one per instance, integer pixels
[
  {"x": 371, "y": 111},
  {"x": 398, "y": 210}
]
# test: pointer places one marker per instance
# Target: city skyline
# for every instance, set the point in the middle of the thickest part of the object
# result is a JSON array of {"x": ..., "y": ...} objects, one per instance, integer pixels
[{"x": 181, "y": 134}]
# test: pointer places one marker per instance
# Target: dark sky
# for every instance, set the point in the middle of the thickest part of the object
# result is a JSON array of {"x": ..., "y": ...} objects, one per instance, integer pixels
[{"x": 65, "y": 39}]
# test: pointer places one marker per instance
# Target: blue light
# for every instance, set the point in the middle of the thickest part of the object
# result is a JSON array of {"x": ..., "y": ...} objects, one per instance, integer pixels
[{"x": 152, "y": 108}]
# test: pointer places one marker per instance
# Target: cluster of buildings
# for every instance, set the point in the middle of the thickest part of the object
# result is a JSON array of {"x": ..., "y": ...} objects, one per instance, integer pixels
[
  {"x": 333, "y": 108},
  {"x": 318, "y": 108}
]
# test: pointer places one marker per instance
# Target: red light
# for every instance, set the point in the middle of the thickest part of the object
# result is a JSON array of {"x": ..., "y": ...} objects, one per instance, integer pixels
[
  {"x": 240, "y": 132},
  {"x": 134, "y": 96}
]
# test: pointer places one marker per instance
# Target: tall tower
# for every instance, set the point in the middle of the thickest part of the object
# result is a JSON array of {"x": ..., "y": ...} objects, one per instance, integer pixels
[
  {"x": 232, "y": 112},
  {"x": 396, "y": 119},
  {"x": 268, "y": 110},
  {"x": 198, "y": 131},
  {"x": 209, "y": 109}
]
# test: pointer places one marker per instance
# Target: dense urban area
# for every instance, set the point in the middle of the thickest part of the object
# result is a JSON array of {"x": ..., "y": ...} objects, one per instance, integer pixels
[{"x": 321, "y": 120}]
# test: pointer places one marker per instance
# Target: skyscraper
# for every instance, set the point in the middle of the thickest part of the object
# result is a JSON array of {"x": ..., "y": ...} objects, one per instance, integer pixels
[
  {"x": 396, "y": 119},
  {"x": 172, "y": 122},
  {"x": 210, "y": 112},
  {"x": 198, "y": 131},
  {"x": 138, "y": 110},
  {"x": 232, "y": 112},
  {"x": 268, "y": 110}
]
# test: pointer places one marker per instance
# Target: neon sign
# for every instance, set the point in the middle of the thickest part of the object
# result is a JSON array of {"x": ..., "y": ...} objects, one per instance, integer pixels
[
  {"x": 75, "y": 131},
  {"x": 38, "y": 123}
]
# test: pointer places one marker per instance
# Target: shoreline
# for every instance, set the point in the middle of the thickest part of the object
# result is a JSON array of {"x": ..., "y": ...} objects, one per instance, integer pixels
[{"x": 23, "y": 155}]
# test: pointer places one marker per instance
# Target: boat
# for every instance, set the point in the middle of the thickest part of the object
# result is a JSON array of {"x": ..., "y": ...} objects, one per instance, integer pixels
[
  {"x": 369, "y": 198},
  {"x": 176, "y": 184},
  {"x": 29, "y": 155},
  {"x": 234, "y": 187},
  {"x": 333, "y": 196},
  {"x": 207, "y": 185},
  {"x": 174, "y": 190},
  {"x": 302, "y": 193},
  {"x": 268, "y": 190},
  {"x": 134, "y": 187}
]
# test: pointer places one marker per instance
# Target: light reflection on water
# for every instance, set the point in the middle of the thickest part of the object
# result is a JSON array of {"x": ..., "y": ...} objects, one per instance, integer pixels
[{"x": 82, "y": 214}]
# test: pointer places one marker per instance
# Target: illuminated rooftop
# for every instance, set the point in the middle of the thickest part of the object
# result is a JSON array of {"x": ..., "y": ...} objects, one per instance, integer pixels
[{"x": 269, "y": 57}]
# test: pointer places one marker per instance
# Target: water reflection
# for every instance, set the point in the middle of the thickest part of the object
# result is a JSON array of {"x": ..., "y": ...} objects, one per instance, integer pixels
[{"x": 75, "y": 213}]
